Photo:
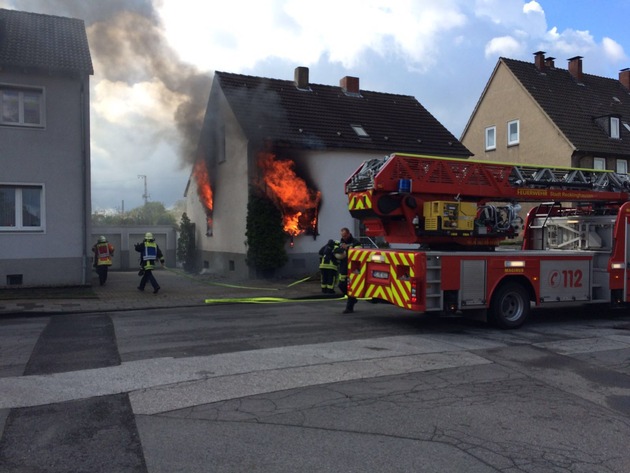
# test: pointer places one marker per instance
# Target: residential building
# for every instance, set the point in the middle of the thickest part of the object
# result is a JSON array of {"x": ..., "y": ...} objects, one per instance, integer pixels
[
  {"x": 45, "y": 65},
  {"x": 536, "y": 113},
  {"x": 319, "y": 134}
]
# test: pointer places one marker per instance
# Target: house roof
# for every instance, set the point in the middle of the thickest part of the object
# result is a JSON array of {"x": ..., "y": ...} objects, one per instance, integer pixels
[
  {"x": 43, "y": 42},
  {"x": 321, "y": 117},
  {"x": 578, "y": 109}
]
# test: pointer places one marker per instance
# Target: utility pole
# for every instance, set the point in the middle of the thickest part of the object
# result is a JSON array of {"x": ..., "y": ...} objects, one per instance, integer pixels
[{"x": 146, "y": 195}]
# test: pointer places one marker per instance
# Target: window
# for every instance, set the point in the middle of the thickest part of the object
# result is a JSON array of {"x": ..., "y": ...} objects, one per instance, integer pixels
[
  {"x": 21, "y": 207},
  {"x": 491, "y": 138},
  {"x": 599, "y": 163},
  {"x": 622, "y": 166},
  {"x": 614, "y": 127},
  {"x": 21, "y": 106},
  {"x": 360, "y": 131},
  {"x": 513, "y": 132}
]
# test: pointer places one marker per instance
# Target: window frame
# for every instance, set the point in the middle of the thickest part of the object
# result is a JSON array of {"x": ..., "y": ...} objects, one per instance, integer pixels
[
  {"x": 22, "y": 105},
  {"x": 615, "y": 128},
  {"x": 599, "y": 160},
  {"x": 518, "y": 132},
  {"x": 493, "y": 146},
  {"x": 18, "y": 209},
  {"x": 624, "y": 164}
]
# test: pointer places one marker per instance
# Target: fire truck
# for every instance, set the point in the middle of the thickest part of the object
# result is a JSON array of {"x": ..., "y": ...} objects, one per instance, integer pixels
[{"x": 455, "y": 216}]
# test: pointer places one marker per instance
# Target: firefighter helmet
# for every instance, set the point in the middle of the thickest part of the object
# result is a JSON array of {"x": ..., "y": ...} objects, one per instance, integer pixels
[
  {"x": 340, "y": 253},
  {"x": 102, "y": 239},
  {"x": 148, "y": 236}
]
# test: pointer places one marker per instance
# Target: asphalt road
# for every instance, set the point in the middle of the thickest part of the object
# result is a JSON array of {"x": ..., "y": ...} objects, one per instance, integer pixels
[{"x": 300, "y": 387}]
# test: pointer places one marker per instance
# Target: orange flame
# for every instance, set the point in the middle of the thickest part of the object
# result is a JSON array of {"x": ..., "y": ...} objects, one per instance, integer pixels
[
  {"x": 297, "y": 202},
  {"x": 200, "y": 171}
]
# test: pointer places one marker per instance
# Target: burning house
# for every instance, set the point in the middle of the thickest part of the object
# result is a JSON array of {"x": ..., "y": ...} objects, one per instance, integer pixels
[{"x": 296, "y": 142}]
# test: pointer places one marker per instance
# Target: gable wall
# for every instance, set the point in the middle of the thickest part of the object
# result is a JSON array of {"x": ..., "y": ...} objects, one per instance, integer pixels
[{"x": 505, "y": 100}]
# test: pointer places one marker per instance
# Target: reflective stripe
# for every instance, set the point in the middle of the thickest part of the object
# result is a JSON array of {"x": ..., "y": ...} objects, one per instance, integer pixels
[{"x": 150, "y": 251}]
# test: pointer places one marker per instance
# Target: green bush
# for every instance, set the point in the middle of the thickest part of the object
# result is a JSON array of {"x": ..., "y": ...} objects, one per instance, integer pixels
[
  {"x": 186, "y": 243},
  {"x": 265, "y": 236}
]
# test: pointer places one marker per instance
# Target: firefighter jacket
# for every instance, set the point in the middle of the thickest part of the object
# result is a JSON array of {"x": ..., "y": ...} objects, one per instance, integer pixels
[
  {"x": 327, "y": 257},
  {"x": 103, "y": 253},
  {"x": 349, "y": 242},
  {"x": 150, "y": 253}
]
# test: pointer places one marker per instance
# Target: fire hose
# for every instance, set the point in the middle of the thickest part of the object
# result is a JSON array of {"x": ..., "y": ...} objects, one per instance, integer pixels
[{"x": 257, "y": 300}]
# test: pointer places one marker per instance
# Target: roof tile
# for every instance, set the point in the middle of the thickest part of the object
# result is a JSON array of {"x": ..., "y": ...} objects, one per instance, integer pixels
[
  {"x": 321, "y": 117},
  {"x": 576, "y": 108},
  {"x": 43, "y": 42}
]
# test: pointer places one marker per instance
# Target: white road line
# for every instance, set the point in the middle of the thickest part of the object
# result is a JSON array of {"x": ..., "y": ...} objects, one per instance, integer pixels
[{"x": 158, "y": 373}]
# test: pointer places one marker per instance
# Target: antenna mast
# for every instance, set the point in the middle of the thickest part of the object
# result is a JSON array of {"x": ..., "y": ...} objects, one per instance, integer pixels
[{"x": 146, "y": 195}]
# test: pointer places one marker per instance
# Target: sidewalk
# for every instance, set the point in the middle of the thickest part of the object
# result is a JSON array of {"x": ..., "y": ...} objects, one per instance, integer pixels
[{"x": 178, "y": 289}]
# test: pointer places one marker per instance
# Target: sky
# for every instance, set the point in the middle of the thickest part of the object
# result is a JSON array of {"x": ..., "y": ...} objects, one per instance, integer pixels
[{"x": 154, "y": 61}]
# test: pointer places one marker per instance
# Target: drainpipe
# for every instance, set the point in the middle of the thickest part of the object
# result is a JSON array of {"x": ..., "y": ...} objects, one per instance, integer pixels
[{"x": 86, "y": 208}]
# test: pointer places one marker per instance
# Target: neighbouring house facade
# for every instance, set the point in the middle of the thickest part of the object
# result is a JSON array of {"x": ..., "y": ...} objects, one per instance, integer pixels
[
  {"x": 536, "y": 113},
  {"x": 45, "y": 208},
  {"x": 318, "y": 133}
]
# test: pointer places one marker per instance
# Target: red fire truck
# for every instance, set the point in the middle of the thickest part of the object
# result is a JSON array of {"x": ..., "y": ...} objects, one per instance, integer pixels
[{"x": 575, "y": 239}]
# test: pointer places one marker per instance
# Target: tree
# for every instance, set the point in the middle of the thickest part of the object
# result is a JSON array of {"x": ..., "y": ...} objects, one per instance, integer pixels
[
  {"x": 186, "y": 243},
  {"x": 265, "y": 237},
  {"x": 151, "y": 213}
]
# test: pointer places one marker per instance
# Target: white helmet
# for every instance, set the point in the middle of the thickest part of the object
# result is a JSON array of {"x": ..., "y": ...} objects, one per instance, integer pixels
[
  {"x": 148, "y": 236},
  {"x": 102, "y": 239}
]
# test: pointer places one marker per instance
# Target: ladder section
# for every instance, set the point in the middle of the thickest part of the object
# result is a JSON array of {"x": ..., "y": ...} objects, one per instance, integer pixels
[{"x": 485, "y": 179}]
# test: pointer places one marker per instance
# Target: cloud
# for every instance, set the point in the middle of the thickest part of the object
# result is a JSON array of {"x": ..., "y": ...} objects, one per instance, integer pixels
[
  {"x": 613, "y": 50},
  {"x": 506, "y": 46},
  {"x": 341, "y": 31}
]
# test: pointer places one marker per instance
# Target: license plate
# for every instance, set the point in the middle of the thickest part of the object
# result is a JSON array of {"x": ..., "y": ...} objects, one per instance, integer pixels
[{"x": 380, "y": 275}]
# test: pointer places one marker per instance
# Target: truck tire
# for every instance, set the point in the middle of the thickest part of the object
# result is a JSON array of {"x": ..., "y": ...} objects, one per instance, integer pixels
[{"x": 510, "y": 307}]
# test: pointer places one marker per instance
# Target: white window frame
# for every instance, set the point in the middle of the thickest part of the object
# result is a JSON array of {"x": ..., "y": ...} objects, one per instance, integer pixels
[
  {"x": 491, "y": 138},
  {"x": 599, "y": 164},
  {"x": 510, "y": 141},
  {"x": 622, "y": 166},
  {"x": 19, "y": 222},
  {"x": 614, "y": 127},
  {"x": 22, "y": 92}
]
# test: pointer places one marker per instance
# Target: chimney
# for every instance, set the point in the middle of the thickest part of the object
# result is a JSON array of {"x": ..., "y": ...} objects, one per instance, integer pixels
[
  {"x": 624, "y": 77},
  {"x": 350, "y": 85},
  {"x": 539, "y": 60},
  {"x": 301, "y": 77},
  {"x": 549, "y": 63},
  {"x": 575, "y": 68}
]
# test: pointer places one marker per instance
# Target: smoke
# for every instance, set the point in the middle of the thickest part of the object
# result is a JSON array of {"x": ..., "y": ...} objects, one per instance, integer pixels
[{"x": 129, "y": 47}]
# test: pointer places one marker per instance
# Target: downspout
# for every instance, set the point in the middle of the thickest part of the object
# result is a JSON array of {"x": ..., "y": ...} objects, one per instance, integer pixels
[{"x": 86, "y": 176}]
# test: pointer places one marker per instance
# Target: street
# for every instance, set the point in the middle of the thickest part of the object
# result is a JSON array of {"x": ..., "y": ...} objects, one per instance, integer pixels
[{"x": 301, "y": 387}]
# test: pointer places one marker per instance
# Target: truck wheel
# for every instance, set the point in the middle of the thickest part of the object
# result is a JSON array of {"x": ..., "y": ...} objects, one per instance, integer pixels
[{"x": 510, "y": 306}]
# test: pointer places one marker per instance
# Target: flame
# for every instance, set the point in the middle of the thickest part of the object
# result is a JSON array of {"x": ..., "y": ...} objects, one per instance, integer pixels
[
  {"x": 200, "y": 171},
  {"x": 297, "y": 202}
]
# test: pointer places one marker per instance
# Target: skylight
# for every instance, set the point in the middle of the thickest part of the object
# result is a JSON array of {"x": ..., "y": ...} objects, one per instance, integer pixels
[
  {"x": 360, "y": 131},
  {"x": 626, "y": 125}
]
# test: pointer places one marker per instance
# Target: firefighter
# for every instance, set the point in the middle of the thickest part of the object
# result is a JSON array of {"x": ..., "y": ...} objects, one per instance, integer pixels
[
  {"x": 341, "y": 253},
  {"x": 150, "y": 254},
  {"x": 328, "y": 267},
  {"x": 103, "y": 254}
]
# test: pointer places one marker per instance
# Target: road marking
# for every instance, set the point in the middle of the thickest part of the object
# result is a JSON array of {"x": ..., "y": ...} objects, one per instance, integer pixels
[{"x": 363, "y": 358}]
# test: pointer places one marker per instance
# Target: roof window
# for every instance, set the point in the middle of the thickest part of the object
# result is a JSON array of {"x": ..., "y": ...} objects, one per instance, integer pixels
[
  {"x": 626, "y": 126},
  {"x": 360, "y": 131}
]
